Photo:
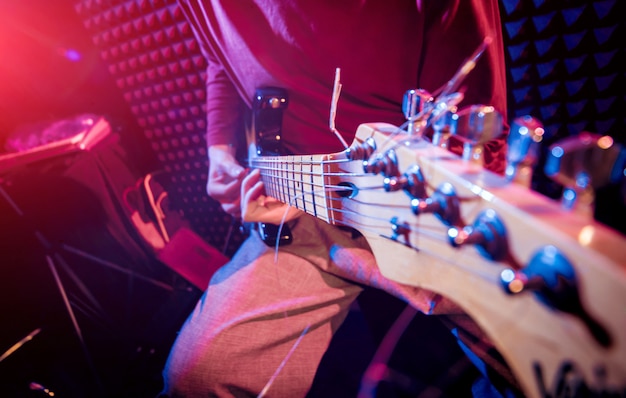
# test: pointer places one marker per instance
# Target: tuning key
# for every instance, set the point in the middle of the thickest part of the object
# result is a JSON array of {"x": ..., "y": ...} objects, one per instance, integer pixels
[
  {"x": 361, "y": 151},
  {"x": 444, "y": 203},
  {"x": 476, "y": 125},
  {"x": 383, "y": 163},
  {"x": 551, "y": 277},
  {"x": 413, "y": 103},
  {"x": 412, "y": 181},
  {"x": 443, "y": 126},
  {"x": 487, "y": 233},
  {"x": 524, "y": 141},
  {"x": 584, "y": 163}
]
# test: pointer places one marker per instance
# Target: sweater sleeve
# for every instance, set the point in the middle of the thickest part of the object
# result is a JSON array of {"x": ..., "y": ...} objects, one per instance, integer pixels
[{"x": 224, "y": 107}]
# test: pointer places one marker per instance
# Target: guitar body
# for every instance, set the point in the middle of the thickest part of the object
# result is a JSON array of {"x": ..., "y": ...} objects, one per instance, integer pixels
[{"x": 563, "y": 334}]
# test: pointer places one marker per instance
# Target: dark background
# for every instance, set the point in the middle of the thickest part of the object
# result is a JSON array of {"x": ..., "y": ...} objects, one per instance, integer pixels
[{"x": 136, "y": 63}]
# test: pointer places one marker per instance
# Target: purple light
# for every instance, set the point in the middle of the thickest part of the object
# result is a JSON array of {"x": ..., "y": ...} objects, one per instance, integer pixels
[{"x": 72, "y": 55}]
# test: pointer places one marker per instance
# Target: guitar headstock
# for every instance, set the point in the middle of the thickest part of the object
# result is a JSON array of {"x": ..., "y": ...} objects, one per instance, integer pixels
[{"x": 534, "y": 275}]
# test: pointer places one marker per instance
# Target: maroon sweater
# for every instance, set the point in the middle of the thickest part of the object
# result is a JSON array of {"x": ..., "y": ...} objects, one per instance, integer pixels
[{"x": 383, "y": 47}]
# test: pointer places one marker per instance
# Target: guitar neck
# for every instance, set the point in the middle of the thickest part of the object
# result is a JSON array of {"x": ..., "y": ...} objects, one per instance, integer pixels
[{"x": 298, "y": 181}]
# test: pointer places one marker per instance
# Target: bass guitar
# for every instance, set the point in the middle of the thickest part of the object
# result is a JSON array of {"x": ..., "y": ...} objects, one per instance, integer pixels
[{"x": 546, "y": 284}]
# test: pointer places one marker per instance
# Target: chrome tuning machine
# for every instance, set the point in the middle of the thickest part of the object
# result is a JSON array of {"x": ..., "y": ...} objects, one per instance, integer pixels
[
  {"x": 413, "y": 104},
  {"x": 582, "y": 164},
  {"x": 475, "y": 125},
  {"x": 525, "y": 136}
]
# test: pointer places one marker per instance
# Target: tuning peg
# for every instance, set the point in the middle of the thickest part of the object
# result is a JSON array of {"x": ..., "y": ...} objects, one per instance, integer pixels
[
  {"x": 361, "y": 151},
  {"x": 443, "y": 118},
  {"x": 444, "y": 203},
  {"x": 552, "y": 278},
  {"x": 443, "y": 127},
  {"x": 383, "y": 163},
  {"x": 412, "y": 182},
  {"x": 413, "y": 103},
  {"x": 524, "y": 141},
  {"x": 488, "y": 233},
  {"x": 582, "y": 164},
  {"x": 476, "y": 125}
]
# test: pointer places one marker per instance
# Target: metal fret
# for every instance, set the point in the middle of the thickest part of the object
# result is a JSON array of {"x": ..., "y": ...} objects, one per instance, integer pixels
[
  {"x": 301, "y": 184},
  {"x": 285, "y": 178},
  {"x": 284, "y": 189},
  {"x": 312, "y": 190}
]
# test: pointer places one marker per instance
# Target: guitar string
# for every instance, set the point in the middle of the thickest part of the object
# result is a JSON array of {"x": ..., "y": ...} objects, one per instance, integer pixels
[
  {"x": 290, "y": 159},
  {"x": 255, "y": 162},
  {"x": 283, "y": 362},
  {"x": 424, "y": 232},
  {"x": 333, "y": 174},
  {"x": 332, "y": 188},
  {"x": 328, "y": 189},
  {"x": 306, "y": 173},
  {"x": 320, "y": 186},
  {"x": 420, "y": 231}
]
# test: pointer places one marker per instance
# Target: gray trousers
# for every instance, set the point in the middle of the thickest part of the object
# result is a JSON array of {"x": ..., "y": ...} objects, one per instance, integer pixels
[{"x": 267, "y": 317}]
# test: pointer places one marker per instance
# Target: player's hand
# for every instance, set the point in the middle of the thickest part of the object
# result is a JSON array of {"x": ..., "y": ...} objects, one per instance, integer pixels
[
  {"x": 225, "y": 178},
  {"x": 257, "y": 207}
]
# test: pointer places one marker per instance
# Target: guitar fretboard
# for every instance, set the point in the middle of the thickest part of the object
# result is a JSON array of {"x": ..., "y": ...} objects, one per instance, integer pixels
[{"x": 295, "y": 180}]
